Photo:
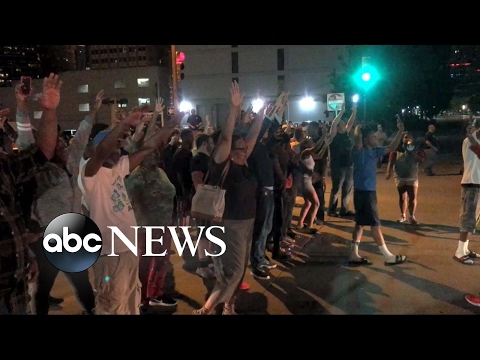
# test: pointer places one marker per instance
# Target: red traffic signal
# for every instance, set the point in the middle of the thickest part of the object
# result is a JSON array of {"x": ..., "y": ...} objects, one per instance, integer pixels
[{"x": 180, "y": 57}]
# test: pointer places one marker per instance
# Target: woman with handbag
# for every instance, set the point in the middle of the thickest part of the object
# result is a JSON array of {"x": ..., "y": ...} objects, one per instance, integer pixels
[{"x": 229, "y": 170}]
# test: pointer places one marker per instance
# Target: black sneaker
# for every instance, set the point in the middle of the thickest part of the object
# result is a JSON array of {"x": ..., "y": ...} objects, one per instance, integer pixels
[
  {"x": 163, "y": 301},
  {"x": 259, "y": 273},
  {"x": 268, "y": 265}
]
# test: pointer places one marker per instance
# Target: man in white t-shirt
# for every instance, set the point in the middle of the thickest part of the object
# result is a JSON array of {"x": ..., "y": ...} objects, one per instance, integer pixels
[
  {"x": 102, "y": 179},
  {"x": 470, "y": 209}
]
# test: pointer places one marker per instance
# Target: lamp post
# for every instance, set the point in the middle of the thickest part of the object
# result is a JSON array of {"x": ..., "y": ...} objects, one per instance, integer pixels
[{"x": 173, "y": 53}]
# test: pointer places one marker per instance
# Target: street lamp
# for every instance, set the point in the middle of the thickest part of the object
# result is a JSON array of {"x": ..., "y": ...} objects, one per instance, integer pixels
[
  {"x": 185, "y": 106},
  {"x": 307, "y": 103},
  {"x": 257, "y": 104}
]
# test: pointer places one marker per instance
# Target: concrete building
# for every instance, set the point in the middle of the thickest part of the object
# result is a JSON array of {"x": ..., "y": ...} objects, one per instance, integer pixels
[
  {"x": 136, "y": 85},
  {"x": 261, "y": 70}
]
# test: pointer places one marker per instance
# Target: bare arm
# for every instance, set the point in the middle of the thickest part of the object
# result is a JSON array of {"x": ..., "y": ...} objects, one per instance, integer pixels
[
  {"x": 49, "y": 100},
  {"x": 333, "y": 127},
  {"x": 224, "y": 145},
  {"x": 252, "y": 137},
  {"x": 398, "y": 138},
  {"x": 153, "y": 140},
  {"x": 391, "y": 163},
  {"x": 357, "y": 137},
  {"x": 77, "y": 148},
  {"x": 351, "y": 120},
  {"x": 104, "y": 149},
  {"x": 198, "y": 178}
]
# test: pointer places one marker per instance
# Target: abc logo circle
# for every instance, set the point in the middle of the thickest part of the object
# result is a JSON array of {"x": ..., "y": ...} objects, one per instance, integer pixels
[{"x": 72, "y": 242}]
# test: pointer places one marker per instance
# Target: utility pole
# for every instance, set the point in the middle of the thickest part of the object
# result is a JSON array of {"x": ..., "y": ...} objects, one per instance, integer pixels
[{"x": 174, "y": 78}]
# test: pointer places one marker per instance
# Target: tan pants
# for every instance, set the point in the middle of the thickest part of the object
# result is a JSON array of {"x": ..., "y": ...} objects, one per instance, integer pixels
[{"x": 117, "y": 284}]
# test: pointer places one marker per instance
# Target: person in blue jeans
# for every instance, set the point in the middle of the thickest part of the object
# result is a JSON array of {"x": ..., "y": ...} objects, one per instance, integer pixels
[{"x": 365, "y": 154}]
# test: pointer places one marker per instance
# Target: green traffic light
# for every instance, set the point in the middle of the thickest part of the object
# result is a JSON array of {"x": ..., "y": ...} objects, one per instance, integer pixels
[{"x": 366, "y": 77}]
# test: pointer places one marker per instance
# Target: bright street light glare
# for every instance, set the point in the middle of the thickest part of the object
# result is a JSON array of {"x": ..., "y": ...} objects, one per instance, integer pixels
[
  {"x": 355, "y": 98},
  {"x": 366, "y": 76},
  {"x": 185, "y": 106},
  {"x": 307, "y": 103},
  {"x": 257, "y": 105}
]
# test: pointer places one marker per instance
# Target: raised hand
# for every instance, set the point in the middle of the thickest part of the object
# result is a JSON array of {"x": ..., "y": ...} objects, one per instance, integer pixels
[
  {"x": 98, "y": 100},
  {"x": 159, "y": 105},
  {"x": 50, "y": 97},
  {"x": 236, "y": 97},
  {"x": 280, "y": 102},
  {"x": 175, "y": 121},
  {"x": 19, "y": 95},
  {"x": 400, "y": 125},
  {"x": 328, "y": 140},
  {"x": 135, "y": 117}
]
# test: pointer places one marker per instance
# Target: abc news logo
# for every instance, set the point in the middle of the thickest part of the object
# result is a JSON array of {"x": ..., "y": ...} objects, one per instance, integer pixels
[{"x": 73, "y": 242}]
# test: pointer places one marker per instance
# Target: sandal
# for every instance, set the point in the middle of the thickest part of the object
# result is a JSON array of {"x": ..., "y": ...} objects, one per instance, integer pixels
[
  {"x": 473, "y": 255},
  {"x": 399, "y": 259},
  {"x": 402, "y": 219},
  {"x": 362, "y": 261},
  {"x": 466, "y": 260}
]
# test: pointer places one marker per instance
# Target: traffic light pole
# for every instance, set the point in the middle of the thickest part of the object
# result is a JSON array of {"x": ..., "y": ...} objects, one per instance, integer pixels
[
  {"x": 365, "y": 108},
  {"x": 174, "y": 78}
]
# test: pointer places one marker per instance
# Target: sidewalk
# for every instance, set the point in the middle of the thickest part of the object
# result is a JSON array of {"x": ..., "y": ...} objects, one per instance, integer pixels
[{"x": 318, "y": 279}]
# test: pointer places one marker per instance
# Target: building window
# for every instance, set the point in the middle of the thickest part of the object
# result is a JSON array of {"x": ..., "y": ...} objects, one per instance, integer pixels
[
  {"x": 84, "y": 107},
  {"x": 82, "y": 89},
  {"x": 120, "y": 84},
  {"x": 143, "y": 101},
  {"x": 281, "y": 83},
  {"x": 280, "y": 59},
  {"x": 235, "y": 62},
  {"x": 37, "y": 114},
  {"x": 143, "y": 82},
  {"x": 234, "y": 45},
  {"x": 235, "y": 80}
]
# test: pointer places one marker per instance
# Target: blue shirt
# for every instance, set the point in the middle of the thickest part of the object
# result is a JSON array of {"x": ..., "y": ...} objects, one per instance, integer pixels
[{"x": 365, "y": 168}]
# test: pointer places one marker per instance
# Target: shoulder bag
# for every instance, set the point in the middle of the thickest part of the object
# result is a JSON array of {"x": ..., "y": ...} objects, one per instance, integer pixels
[{"x": 208, "y": 203}]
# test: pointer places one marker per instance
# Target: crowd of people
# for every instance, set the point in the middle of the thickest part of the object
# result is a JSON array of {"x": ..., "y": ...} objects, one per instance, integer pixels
[{"x": 136, "y": 171}]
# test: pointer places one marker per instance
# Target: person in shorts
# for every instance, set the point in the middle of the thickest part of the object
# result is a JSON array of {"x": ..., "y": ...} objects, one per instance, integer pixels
[
  {"x": 405, "y": 162},
  {"x": 470, "y": 196},
  {"x": 365, "y": 154}
]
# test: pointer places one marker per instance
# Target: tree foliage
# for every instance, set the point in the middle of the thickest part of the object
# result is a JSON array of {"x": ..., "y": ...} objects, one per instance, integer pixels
[{"x": 410, "y": 75}]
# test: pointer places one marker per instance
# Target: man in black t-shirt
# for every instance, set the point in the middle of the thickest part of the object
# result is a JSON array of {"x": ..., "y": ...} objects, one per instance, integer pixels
[
  {"x": 431, "y": 150},
  {"x": 341, "y": 165},
  {"x": 199, "y": 168},
  {"x": 182, "y": 177},
  {"x": 167, "y": 155}
]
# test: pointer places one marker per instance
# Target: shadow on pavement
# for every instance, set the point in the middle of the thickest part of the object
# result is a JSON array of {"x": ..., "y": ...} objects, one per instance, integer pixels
[{"x": 340, "y": 289}]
